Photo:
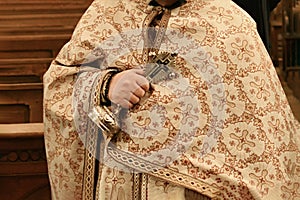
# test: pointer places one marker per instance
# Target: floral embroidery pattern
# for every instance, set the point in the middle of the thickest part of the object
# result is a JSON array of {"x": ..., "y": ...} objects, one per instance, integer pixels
[{"x": 239, "y": 140}]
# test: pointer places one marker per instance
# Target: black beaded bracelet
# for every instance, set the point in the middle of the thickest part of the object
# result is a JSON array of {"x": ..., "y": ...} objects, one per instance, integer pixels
[{"x": 104, "y": 100}]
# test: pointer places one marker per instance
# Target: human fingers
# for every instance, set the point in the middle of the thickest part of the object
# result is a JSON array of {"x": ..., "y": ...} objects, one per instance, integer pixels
[
  {"x": 134, "y": 99},
  {"x": 142, "y": 82},
  {"x": 130, "y": 102},
  {"x": 139, "y": 92},
  {"x": 125, "y": 103},
  {"x": 122, "y": 88},
  {"x": 128, "y": 87}
]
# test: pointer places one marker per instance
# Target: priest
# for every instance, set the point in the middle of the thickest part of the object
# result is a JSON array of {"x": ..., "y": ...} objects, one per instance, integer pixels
[{"x": 168, "y": 99}]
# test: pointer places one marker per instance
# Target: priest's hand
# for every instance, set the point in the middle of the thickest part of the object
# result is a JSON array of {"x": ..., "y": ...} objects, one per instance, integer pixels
[{"x": 128, "y": 87}]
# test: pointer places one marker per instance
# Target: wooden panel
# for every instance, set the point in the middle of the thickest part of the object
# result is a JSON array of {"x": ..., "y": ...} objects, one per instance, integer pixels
[
  {"x": 23, "y": 166},
  {"x": 34, "y": 67},
  {"x": 31, "y": 34},
  {"x": 291, "y": 38},
  {"x": 23, "y": 94},
  {"x": 5, "y": 82},
  {"x": 33, "y": 31},
  {"x": 39, "y": 20},
  {"x": 42, "y": 6},
  {"x": 14, "y": 113},
  {"x": 294, "y": 83},
  {"x": 29, "y": 43}
]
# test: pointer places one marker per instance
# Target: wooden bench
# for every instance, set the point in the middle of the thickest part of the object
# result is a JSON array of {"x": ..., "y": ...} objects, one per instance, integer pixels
[
  {"x": 23, "y": 166},
  {"x": 21, "y": 102},
  {"x": 31, "y": 34}
]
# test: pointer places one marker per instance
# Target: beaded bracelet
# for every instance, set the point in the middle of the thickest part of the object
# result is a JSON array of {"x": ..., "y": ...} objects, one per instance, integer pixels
[{"x": 104, "y": 100}]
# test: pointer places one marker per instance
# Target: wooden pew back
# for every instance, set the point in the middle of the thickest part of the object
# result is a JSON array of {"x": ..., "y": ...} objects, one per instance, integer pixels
[
  {"x": 31, "y": 34},
  {"x": 23, "y": 166}
]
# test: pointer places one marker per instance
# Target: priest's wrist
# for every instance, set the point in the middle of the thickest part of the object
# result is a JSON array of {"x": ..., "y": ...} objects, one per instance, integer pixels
[{"x": 104, "y": 100}]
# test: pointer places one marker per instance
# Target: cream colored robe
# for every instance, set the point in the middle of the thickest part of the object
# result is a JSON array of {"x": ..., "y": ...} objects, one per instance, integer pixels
[{"x": 222, "y": 128}]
